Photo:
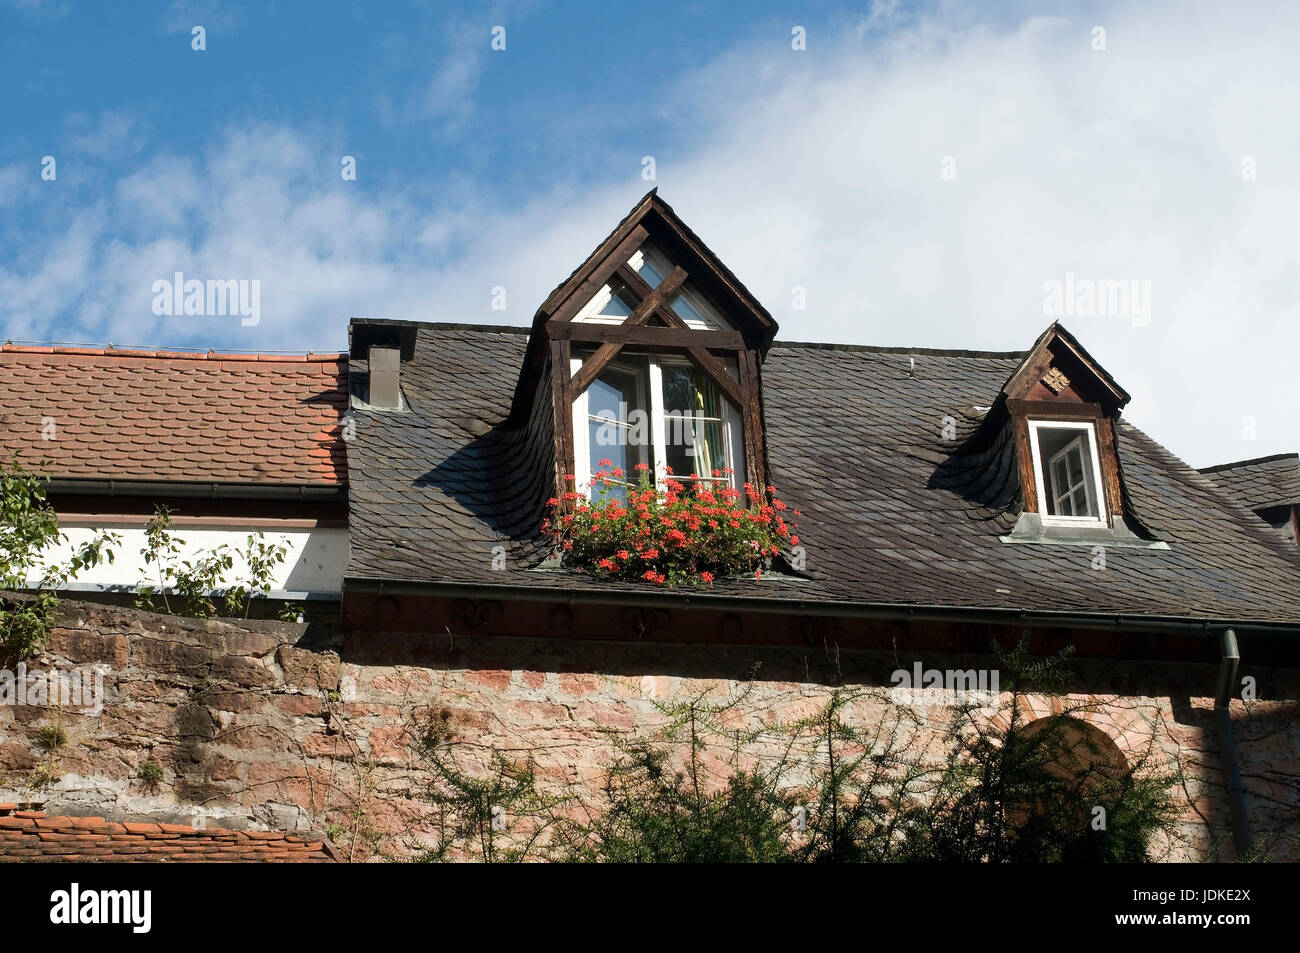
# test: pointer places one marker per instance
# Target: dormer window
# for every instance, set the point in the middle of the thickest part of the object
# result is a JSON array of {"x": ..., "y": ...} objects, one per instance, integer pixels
[
  {"x": 1060, "y": 408},
  {"x": 1068, "y": 467},
  {"x": 652, "y": 353},
  {"x": 662, "y": 411}
]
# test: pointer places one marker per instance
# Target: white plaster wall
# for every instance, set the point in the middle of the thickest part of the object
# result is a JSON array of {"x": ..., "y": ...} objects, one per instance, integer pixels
[{"x": 315, "y": 560}]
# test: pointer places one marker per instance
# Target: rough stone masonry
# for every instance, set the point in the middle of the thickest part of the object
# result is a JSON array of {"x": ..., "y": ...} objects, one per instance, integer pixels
[{"x": 266, "y": 724}]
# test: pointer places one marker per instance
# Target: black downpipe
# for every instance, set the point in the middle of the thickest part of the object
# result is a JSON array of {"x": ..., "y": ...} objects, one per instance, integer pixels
[{"x": 1231, "y": 658}]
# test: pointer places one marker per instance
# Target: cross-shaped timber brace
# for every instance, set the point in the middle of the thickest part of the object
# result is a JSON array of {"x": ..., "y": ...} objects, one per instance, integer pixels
[
  {"x": 636, "y": 330},
  {"x": 654, "y": 301}
]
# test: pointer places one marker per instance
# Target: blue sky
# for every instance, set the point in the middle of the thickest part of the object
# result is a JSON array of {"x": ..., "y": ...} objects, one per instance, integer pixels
[
  {"x": 412, "y": 89},
  {"x": 921, "y": 172}
]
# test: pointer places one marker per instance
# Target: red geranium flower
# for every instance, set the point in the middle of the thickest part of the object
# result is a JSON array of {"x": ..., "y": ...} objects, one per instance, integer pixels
[{"x": 680, "y": 535}]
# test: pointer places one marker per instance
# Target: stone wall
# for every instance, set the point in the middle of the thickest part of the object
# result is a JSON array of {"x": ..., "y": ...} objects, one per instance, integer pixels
[{"x": 297, "y": 727}]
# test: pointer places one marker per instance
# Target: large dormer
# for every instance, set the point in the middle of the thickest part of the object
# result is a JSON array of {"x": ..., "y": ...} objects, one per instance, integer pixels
[{"x": 652, "y": 349}]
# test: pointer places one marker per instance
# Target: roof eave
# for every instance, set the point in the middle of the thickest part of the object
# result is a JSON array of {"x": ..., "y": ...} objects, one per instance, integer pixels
[
  {"x": 216, "y": 490},
  {"x": 1115, "y": 622}
]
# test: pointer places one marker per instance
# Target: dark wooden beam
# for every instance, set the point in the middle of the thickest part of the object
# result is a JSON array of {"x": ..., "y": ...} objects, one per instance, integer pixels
[
  {"x": 1064, "y": 409},
  {"x": 642, "y": 291},
  {"x": 1025, "y": 459},
  {"x": 646, "y": 335},
  {"x": 1109, "y": 466},
  {"x": 650, "y": 303},
  {"x": 574, "y": 301},
  {"x": 593, "y": 366},
  {"x": 1030, "y": 373},
  {"x": 699, "y": 354},
  {"x": 655, "y": 299},
  {"x": 717, "y": 373},
  {"x": 715, "y": 269},
  {"x": 751, "y": 415},
  {"x": 562, "y": 395}
]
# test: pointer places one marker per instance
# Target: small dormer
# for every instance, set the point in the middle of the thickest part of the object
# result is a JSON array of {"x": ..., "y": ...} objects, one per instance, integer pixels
[
  {"x": 1062, "y": 407},
  {"x": 653, "y": 349}
]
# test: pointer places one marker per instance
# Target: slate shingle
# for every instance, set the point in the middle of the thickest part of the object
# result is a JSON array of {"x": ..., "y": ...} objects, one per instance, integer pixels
[
  {"x": 1260, "y": 484},
  {"x": 855, "y": 440}
]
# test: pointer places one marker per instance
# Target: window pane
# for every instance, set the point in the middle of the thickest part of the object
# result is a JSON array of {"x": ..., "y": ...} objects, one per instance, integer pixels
[
  {"x": 611, "y": 396},
  {"x": 618, "y": 427},
  {"x": 696, "y": 429},
  {"x": 696, "y": 446},
  {"x": 686, "y": 311},
  {"x": 649, "y": 273},
  {"x": 1068, "y": 481},
  {"x": 1075, "y": 459},
  {"x": 617, "y": 305},
  {"x": 688, "y": 391},
  {"x": 1060, "y": 481},
  {"x": 1080, "y": 499}
]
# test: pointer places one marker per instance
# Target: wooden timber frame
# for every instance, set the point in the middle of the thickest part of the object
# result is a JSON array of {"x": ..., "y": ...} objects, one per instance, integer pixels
[
  {"x": 1087, "y": 393},
  {"x": 652, "y": 327}
]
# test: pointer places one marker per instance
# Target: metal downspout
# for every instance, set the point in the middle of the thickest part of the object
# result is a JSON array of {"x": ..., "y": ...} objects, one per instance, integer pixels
[{"x": 1230, "y": 659}]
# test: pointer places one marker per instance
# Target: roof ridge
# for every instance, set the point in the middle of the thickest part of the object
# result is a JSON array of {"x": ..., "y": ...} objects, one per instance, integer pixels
[
  {"x": 892, "y": 349},
  {"x": 1271, "y": 458},
  {"x": 811, "y": 345},
  {"x": 178, "y": 354},
  {"x": 470, "y": 326}
]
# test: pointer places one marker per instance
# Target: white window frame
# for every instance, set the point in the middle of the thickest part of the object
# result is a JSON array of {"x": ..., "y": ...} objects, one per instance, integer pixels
[
  {"x": 1041, "y": 477},
  {"x": 658, "y": 431},
  {"x": 590, "y": 313}
]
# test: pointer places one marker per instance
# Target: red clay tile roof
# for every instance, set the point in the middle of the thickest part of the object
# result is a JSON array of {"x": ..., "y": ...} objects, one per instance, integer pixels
[
  {"x": 170, "y": 415},
  {"x": 33, "y": 837}
]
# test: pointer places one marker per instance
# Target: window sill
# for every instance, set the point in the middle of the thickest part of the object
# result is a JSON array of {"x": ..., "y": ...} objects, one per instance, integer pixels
[
  {"x": 556, "y": 567},
  {"x": 1030, "y": 529}
]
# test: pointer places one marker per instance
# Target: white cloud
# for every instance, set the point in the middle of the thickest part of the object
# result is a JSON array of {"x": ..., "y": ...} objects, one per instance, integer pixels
[
  {"x": 52, "y": 9},
  {"x": 213, "y": 15},
  {"x": 53, "y": 278},
  {"x": 819, "y": 169},
  {"x": 825, "y": 172},
  {"x": 17, "y": 182},
  {"x": 163, "y": 193},
  {"x": 446, "y": 100},
  {"x": 449, "y": 94},
  {"x": 115, "y": 135}
]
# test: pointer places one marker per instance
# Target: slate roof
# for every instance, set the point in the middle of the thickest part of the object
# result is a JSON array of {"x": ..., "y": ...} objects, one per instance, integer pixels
[
  {"x": 893, "y": 513},
  {"x": 33, "y": 837},
  {"x": 1260, "y": 484},
  {"x": 173, "y": 415}
]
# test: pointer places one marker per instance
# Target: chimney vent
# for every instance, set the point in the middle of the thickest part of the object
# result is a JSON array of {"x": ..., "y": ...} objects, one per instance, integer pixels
[{"x": 385, "y": 377}]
